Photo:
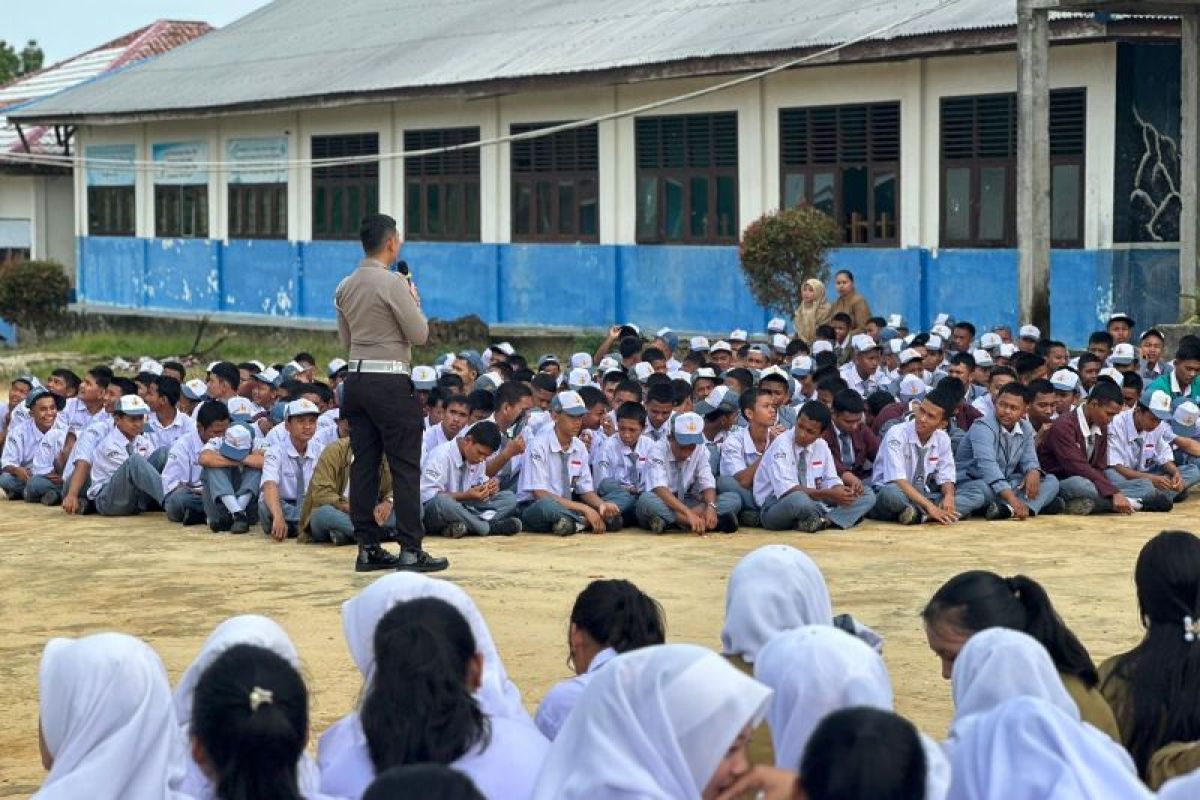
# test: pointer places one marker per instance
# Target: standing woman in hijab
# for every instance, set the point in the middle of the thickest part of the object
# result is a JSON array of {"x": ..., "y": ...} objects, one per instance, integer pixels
[
  {"x": 814, "y": 310},
  {"x": 108, "y": 729},
  {"x": 849, "y": 301},
  {"x": 669, "y": 722},
  {"x": 1154, "y": 689}
]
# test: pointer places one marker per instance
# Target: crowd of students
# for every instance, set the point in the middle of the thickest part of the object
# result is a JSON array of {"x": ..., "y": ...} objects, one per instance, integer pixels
[
  {"x": 798, "y": 705},
  {"x": 776, "y": 431}
]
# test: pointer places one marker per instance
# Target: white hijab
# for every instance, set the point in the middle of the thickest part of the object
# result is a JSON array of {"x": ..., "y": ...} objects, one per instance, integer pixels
[
  {"x": 1029, "y": 749},
  {"x": 654, "y": 724},
  {"x": 245, "y": 629},
  {"x": 773, "y": 589},
  {"x": 1186, "y": 787},
  {"x": 498, "y": 696},
  {"x": 816, "y": 670},
  {"x": 108, "y": 721}
]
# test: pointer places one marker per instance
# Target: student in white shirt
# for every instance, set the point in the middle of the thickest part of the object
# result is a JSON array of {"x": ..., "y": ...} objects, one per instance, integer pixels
[
  {"x": 1141, "y": 461},
  {"x": 862, "y": 373},
  {"x": 183, "y": 490},
  {"x": 123, "y": 480},
  {"x": 743, "y": 448},
  {"x": 556, "y": 479},
  {"x": 513, "y": 401},
  {"x": 457, "y": 495},
  {"x": 660, "y": 405},
  {"x": 288, "y": 470},
  {"x": 166, "y": 424},
  {"x": 620, "y": 462},
  {"x": 679, "y": 487},
  {"x": 45, "y": 484},
  {"x": 18, "y": 390},
  {"x": 454, "y": 419},
  {"x": 88, "y": 405},
  {"x": 609, "y": 617},
  {"x": 77, "y": 471},
  {"x": 914, "y": 472},
  {"x": 797, "y": 484},
  {"x": 27, "y": 460}
]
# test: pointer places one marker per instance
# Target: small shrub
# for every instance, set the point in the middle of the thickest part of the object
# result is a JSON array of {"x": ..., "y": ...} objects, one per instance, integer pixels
[
  {"x": 782, "y": 249},
  {"x": 33, "y": 294}
]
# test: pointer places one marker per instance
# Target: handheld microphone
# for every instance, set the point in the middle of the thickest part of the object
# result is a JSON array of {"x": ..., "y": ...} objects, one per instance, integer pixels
[{"x": 402, "y": 268}]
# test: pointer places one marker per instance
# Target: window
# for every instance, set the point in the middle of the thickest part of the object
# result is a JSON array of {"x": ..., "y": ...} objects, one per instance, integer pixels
[
  {"x": 12, "y": 255},
  {"x": 442, "y": 190},
  {"x": 111, "y": 210},
  {"x": 979, "y": 169},
  {"x": 343, "y": 195},
  {"x": 845, "y": 161},
  {"x": 687, "y": 179},
  {"x": 555, "y": 185},
  {"x": 181, "y": 210},
  {"x": 258, "y": 211}
]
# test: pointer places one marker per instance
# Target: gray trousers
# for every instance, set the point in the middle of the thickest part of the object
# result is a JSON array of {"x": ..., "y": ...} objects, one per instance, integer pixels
[
  {"x": 13, "y": 486},
  {"x": 442, "y": 510},
  {"x": 611, "y": 491},
  {"x": 216, "y": 482},
  {"x": 1046, "y": 493},
  {"x": 540, "y": 516},
  {"x": 650, "y": 505},
  {"x": 969, "y": 497},
  {"x": 180, "y": 501},
  {"x": 38, "y": 487},
  {"x": 727, "y": 483},
  {"x": 783, "y": 515},
  {"x": 135, "y": 487},
  {"x": 291, "y": 515},
  {"x": 331, "y": 524},
  {"x": 1140, "y": 489}
]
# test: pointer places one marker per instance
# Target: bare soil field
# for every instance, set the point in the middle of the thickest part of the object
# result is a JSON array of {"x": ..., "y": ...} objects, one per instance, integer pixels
[{"x": 63, "y": 576}]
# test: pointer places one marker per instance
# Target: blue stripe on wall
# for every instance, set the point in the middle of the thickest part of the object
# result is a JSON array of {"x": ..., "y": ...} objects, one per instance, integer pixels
[{"x": 687, "y": 288}]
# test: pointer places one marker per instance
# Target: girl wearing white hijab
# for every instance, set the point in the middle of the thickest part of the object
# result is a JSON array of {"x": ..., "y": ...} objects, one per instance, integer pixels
[
  {"x": 108, "y": 729},
  {"x": 1029, "y": 749},
  {"x": 245, "y": 629},
  {"x": 1186, "y": 787},
  {"x": 817, "y": 670},
  {"x": 668, "y": 722}
]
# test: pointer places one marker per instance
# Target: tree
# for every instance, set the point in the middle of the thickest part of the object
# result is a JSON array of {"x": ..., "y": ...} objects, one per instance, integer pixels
[
  {"x": 782, "y": 249},
  {"x": 33, "y": 294},
  {"x": 14, "y": 64},
  {"x": 32, "y": 57}
]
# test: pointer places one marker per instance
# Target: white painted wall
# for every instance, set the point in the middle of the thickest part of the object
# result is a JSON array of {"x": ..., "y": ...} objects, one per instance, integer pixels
[{"x": 16, "y": 197}]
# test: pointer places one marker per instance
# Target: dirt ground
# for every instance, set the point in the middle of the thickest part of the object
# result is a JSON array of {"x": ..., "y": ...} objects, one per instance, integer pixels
[{"x": 64, "y": 576}]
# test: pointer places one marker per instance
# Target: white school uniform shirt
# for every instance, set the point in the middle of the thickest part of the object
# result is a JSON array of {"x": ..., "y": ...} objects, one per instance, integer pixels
[
  {"x": 329, "y": 417},
  {"x": 445, "y": 471},
  {"x": 900, "y": 456},
  {"x": 3, "y": 417},
  {"x": 21, "y": 445},
  {"x": 76, "y": 417},
  {"x": 432, "y": 438},
  {"x": 864, "y": 386},
  {"x": 658, "y": 434},
  {"x": 325, "y": 435},
  {"x": 780, "y": 470},
  {"x": 85, "y": 445},
  {"x": 550, "y": 467},
  {"x": 562, "y": 698},
  {"x": 1123, "y": 449},
  {"x": 625, "y": 465},
  {"x": 167, "y": 435},
  {"x": 108, "y": 721},
  {"x": 984, "y": 404},
  {"x": 48, "y": 448},
  {"x": 738, "y": 451},
  {"x": 280, "y": 466},
  {"x": 183, "y": 464},
  {"x": 690, "y": 477},
  {"x": 111, "y": 452}
]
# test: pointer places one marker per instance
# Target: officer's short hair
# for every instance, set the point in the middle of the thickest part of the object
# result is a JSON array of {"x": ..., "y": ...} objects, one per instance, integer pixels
[{"x": 375, "y": 231}]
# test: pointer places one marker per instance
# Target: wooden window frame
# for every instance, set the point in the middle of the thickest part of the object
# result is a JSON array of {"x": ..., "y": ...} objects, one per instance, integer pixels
[
  {"x": 258, "y": 210},
  {"x": 443, "y": 172},
  {"x": 112, "y": 211},
  {"x": 332, "y": 183},
  {"x": 575, "y": 157},
  {"x": 170, "y": 202}
]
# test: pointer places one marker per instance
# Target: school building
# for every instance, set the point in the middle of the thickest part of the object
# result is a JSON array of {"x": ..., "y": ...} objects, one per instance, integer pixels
[{"x": 908, "y": 138}]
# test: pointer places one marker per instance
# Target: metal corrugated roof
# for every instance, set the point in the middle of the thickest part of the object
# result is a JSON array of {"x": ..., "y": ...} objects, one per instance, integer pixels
[{"x": 294, "y": 49}]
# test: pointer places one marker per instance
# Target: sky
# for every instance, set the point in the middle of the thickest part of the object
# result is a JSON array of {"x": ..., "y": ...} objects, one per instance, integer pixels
[{"x": 67, "y": 27}]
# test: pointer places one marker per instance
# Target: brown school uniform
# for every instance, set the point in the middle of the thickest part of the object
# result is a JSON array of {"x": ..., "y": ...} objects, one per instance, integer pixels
[
  {"x": 1171, "y": 760},
  {"x": 761, "y": 749},
  {"x": 856, "y": 306},
  {"x": 1063, "y": 454}
]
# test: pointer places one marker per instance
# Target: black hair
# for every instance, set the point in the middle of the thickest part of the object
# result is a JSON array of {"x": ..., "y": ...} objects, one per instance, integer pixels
[
  {"x": 419, "y": 707},
  {"x": 1017, "y": 390},
  {"x": 944, "y": 398},
  {"x": 60, "y": 402},
  {"x": 848, "y": 401},
  {"x": 69, "y": 377},
  {"x": 617, "y": 614},
  {"x": 660, "y": 393},
  {"x": 952, "y": 387},
  {"x": 1026, "y": 363},
  {"x": 422, "y": 780},
  {"x": 653, "y": 354},
  {"x": 1162, "y": 674},
  {"x": 211, "y": 413},
  {"x": 375, "y": 232},
  {"x": 248, "y": 366},
  {"x": 174, "y": 366},
  {"x": 1040, "y": 386},
  {"x": 504, "y": 368},
  {"x": 634, "y": 411},
  {"x": 833, "y": 384},
  {"x": 1106, "y": 392},
  {"x": 522, "y": 374},
  {"x": 742, "y": 375},
  {"x": 457, "y": 400},
  {"x": 878, "y": 322},
  {"x": 168, "y": 388},
  {"x": 481, "y": 400},
  {"x": 747, "y": 400},
  {"x": 518, "y": 361},
  {"x": 450, "y": 380},
  {"x": 920, "y": 340},
  {"x": 591, "y": 397},
  {"x": 863, "y": 754},
  {"x": 629, "y": 386},
  {"x": 228, "y": 372},
  {"x": 629, "y": 346},
  {"x": 795, "y": 347},
  {"x": 613, "y": 376},
  {"x": 976, "y": 600},
  {"x": 683, "y": 391},
  {"x": 963, "y": 358},
  {"x": 1001, "y": 370},
  {"x": 876, "y": 401},
  {"x": 845, "y": 272},
  {"x": 304, "y": 357},
  {"x": 485, "y": 433},
  {"x": 656, "y": 378},
  {"x": 843, "y": 317},
  {"x": 627, "y": 332},
  {"x": 1155, "y": 332},
  {"x": 816, "y": 412},
  {"x": 965, "y": 326},
  {"x": 292, "y": 388},
  {"x": 545, "y": 382},
  {"x": 321, "y": 390},
  {"x": 824, "y": 332},
  {"x": 510, "y": 393},
  {"x": 252, "y": 739},
  {"x": 775, "y": 376},
  {"x": 1132, "y": 380},
  {"x": 1188, "y": 350},
  {"x": 1101, "y": 337},
  {"x": 435, "y": 398},
  {"x": 101, "y": 375},
  {"x": 695, "y": 359}
]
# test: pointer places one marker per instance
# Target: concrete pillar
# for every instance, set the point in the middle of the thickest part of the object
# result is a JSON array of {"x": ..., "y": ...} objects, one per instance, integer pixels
[
  {"x": 1189, "y": 218},
  {"x": 1033, "y": 164}
]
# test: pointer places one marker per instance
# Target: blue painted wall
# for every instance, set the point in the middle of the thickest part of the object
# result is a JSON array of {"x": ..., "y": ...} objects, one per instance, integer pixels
[{"x": 687, "y": 288}]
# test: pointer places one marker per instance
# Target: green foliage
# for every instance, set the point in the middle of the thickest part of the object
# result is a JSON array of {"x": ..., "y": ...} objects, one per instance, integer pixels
[
  {"x": 33, "y": 294},
  {"x": 782, "y": 249},
  {"x": 14, "y": 64}
]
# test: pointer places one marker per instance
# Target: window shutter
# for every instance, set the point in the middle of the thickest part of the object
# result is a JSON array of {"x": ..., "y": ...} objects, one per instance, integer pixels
[{"x": 1068, "y": 122}]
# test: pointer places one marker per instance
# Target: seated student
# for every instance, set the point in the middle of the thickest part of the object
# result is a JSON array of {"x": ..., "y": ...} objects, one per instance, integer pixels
[
  {"x": 1000, "y": 452},
  {"x": 1088, "y": 366},
  {"x": 27, "y": 461},
  {"x": 422, "y": 780},
  {"x": 64, "y": 383},
  {"x": 18, "y": 390},
  {"x": 87, "y": 405},
  {"x": 862, "y": 373},
  {"x": 512, "y": 404},
  {"x": 827, "y": 389},
  {"x": 107, "y": 729},
  {"x": 556, "y": 482},
  {"x": 609, "y": 617},
  {"x": 1150, "y": 363},
  {"x": 596, "y": 425},
  {"x": 1076, "y": 452},
  {"x": 1131, "y": 388},
  {"x": 842, "y": 325},
  {"x": 325, "y": 513},
  {"x": 1100, "y": 344},
  {"x": 191, "y": 394},
  {"x": 1184, "y": 378},
  {"x": 1140, "y": 453},
  {"x": 779, "y": 386},
  {"x": 457, "y": 495},
  {"x": 77, "y": 468},
  {"x": 739, "y": 379},
  {"x": 454, "y": 418},
  {"x": 660, "y": 405},
  {"x": 720, "y": 412},
  {"x": 721, "y": 356},
  {"x": 853, "y": 444},
  {"x": 1029, "y": 367},
  {"x": 231, "y": 474},
  {"x": 742, "y": 451},
  {"x": 915, "y": 471},
  {"x": 165, "y": 425},
  {"x": 975, "y": 601},
  {"x": 124, "y": 482},
  {"x": 222, "y": 383},
  {"x": 183, "y": 489},
  {"x": 287, "y": 472},
  {"x": 481, "y": 404},
  {"x": 910, "y": 391},
  {"x": 618, "y": 465},
  {"x": 1066, "y": 384},
  {"x": 679, "y": 488},
  {"x": 798, "y": 486},
  {"x": 997, "y": 377},
  {"x": 1042, "y": 409}
]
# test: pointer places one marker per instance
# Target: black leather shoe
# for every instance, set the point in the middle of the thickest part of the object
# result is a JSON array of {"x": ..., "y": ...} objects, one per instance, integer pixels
[
  {"x": 417, "y": 560},
  {"x": 373, "y": 557},
  {"x": 240, "y": 524}
]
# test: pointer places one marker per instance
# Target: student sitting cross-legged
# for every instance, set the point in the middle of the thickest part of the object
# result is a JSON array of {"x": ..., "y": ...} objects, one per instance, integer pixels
[
  {"x": 743, "y": 448},
  {"x": 123, "y": 480},
  {"x": 183, "y": 498},
  {"x": 556, "y": 482},
  {"x": 45, "y": 433},
  {"x": 621, "y": 461},
  {"x": 797, "y": 484},
  {"x": 1140, "y": 452},
  {"x": 458, "y": 496},
  {"x": 679, "y": 488},
  {"x": 231, "y": 475},
  {"x": 325, "y": 514},
  {"x": 1000, "y": 451},
  {"x": 288, "y": 470}
]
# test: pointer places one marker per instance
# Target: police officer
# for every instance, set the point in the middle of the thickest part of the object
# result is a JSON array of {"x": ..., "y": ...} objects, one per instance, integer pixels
[{"x": 379, "y": 319}]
